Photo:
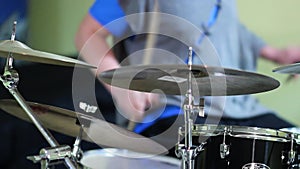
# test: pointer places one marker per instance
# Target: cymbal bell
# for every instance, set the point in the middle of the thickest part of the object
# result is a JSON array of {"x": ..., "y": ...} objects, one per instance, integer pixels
[
  {"x": 95, "y": 130},
  {"x": 21, "y": 51},
  {"x": 173, "y": 80},
  {"x": 289, "y": 69}
]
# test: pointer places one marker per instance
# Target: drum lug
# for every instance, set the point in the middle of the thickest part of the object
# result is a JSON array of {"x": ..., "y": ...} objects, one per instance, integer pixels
[
  {"x": 224, "y": 150},
  {"x": 288, "y": 157},
  {"x": 291, "y": 153},
  {"x": 291, "y": 157},
  {"x": 180, "y": 147},
  {"x": 199, "y": 149}
]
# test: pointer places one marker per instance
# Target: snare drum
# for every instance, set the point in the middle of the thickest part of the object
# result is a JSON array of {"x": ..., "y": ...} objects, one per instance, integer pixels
[
  {"x": 111, "y": 158},
  {"x": 238, "y": 147}
]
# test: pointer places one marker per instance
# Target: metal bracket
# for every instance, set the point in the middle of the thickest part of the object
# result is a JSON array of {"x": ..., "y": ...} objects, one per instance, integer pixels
[
  {"x": 53, "y": 154},
  {"x": 224, "y": 148}
]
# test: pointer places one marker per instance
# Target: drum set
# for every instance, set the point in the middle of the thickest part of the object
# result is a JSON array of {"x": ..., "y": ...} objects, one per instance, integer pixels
[{"x": 199, "y": 146}]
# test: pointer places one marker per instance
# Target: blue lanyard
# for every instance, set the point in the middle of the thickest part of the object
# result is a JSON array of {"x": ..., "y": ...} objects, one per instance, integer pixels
[{"x": 212, "y": 20}]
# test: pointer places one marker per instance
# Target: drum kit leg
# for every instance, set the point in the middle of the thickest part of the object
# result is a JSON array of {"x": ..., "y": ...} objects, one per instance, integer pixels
[
  {"x": 188, "y": 151},
  {"x": 221, "y": 139}
]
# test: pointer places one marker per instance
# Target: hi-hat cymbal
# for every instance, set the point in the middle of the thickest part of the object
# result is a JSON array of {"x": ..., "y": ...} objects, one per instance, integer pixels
[
  {"x": 289, "y": 69},
  {"x": 95, "y": 130},
  {"x": 21, "y": 51},
  {"x": 173, "y": 80}
]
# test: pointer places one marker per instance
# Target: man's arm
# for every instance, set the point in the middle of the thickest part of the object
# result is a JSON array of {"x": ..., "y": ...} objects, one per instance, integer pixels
[
  {"x": 286, "y": 55},
  {"x": 91, "y": 42}
]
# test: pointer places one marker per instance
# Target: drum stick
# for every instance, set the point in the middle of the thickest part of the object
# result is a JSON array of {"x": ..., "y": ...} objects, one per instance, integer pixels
[
  {"x": 149, "y": 44},
  {"x": 131, "y": 125},
  {"x": 150, "y": 37}
]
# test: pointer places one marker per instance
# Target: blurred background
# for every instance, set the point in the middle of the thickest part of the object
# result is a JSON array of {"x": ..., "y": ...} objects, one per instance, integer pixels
[
  {"x": 276, "y": 22},
  {"x": 52, "y": 26}
]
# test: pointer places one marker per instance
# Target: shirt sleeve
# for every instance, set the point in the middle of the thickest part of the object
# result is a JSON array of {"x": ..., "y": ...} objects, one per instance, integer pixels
[
  {"x": 254, "y": 42},
  {"x": 109, "y": 14}
]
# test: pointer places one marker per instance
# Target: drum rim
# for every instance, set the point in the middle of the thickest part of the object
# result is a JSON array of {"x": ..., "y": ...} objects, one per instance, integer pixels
[
  {"x": 208, "y": 130},
  {"x": 290, "y": 130},
  {"x": 114, "y": 151}
]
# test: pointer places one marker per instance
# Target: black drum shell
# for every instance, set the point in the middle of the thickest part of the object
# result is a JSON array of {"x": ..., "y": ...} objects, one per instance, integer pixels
[
  {"x": 269, "y": 153},
  {"x": 266, "y": 148}
]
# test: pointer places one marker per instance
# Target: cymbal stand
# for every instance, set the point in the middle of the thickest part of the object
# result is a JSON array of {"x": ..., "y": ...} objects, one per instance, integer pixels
[
  {"x": 54, "y": 155},
  {"x": 188, "y": 151},
  {"x": 10, "y": 79},
  {"x": 77, "y": 152}
]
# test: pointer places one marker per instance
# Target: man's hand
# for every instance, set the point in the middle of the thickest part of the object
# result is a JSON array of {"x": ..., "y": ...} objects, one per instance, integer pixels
[
  {"x": 133, "y": 104},
  {"x": 286, "y": 55}
]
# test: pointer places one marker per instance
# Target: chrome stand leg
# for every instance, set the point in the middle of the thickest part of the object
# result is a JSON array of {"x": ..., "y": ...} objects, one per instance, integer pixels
[
  {"x": 10, "y": 79},
  {"x": 188, "y": 152}
]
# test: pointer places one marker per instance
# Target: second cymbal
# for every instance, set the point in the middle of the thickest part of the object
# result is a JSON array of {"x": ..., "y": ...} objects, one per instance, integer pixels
[
  {"x": 21, "y": 51},
  {"x": 95, "y": 130},
  {"x": 172, "y": 79},
  {"x": 289, "y": 69}
]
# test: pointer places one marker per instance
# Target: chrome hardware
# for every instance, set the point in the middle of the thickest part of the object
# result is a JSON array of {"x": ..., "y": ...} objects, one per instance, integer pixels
[
  {"x": 201, "y": 107},
  {"x": 291, "y": 153},
  {"x": 224, "y": 148},
  {"x": 49, "y": 155}
]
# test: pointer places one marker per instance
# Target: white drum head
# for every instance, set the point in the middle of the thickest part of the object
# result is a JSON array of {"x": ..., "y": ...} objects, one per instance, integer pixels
[{"x": 111, "y": 158}]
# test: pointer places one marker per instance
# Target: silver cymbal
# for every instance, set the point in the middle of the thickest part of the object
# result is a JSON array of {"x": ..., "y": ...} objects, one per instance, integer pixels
[
  {"x": 95, "y": 130},
  {"x": 172, "y": 79},
  {"x": 21, "y": 51},
  {"x": 289, "y": 69}
]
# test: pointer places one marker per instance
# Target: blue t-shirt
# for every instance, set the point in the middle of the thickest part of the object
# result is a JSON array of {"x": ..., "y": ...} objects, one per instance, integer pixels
[
  {"x": 10, "y": 11},
  {"x": 230, "y": 44},
  {"x": 109, "y": 14},
  {"x": 8, "y": 7}
]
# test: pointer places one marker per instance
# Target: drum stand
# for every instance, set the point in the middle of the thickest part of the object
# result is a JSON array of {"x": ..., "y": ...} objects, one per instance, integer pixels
[
  {"x": 10, "y": 79},
  {"x": 54, "y": 155},
  {"x": 188, "y": 152}
]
